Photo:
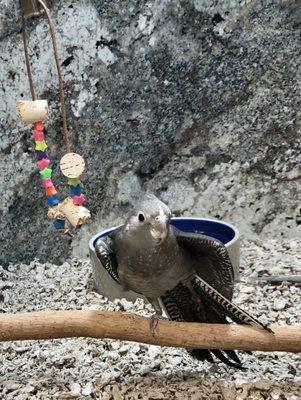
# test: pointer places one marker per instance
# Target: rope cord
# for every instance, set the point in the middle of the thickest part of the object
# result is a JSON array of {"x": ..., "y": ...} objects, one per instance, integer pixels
[
  {"x": 58, "y": 67},
  {"x": 25, "y": 44}
]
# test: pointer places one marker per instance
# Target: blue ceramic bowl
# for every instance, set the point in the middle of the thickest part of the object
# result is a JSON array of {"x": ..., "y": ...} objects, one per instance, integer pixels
[{"x": 220, "y": 230}]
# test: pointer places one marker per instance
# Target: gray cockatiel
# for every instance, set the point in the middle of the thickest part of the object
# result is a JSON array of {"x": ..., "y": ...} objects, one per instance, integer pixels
[{"x": 188, "y": 275}]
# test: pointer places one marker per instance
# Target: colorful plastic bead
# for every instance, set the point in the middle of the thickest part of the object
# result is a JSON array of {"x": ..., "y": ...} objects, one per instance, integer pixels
[
  {"x": 38, "y": 135},
  {"x": 44, "y": 163},
  {"x": 51, "y": 191},
  {"x": 47, "y": 183},
  {"x": 52, "y": 201},
  {"x": 41, "y": 146},
  {"x": 73, "y": 181},
  {"x": 59, "y": 224},
  {"x": 78, "y": 200},
  {"x": 41, "y": 154},
  {"x": 72, "y": 166},
  {"x": 76, "y": 190},
  {"x": 38, "y": 126},
  {"x": 46, "y": 173}
]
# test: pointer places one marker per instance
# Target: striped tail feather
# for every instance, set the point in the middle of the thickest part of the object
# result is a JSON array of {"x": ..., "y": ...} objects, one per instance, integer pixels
[
  {"x": 179, "y": 306},
  {"x": 205, "y": 355},
  {"x": 223, "y": 304}
]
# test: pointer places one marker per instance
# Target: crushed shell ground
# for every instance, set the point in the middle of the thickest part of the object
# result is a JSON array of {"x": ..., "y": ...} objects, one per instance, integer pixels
[{"x": 110, "y": 369}]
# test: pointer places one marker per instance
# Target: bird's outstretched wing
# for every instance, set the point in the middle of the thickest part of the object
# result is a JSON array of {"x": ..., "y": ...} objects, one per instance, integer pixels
[
  {"x": 107, "y": 257},
  {"x": 212, "y": 261},
  {"x": 214, "y": 284}
]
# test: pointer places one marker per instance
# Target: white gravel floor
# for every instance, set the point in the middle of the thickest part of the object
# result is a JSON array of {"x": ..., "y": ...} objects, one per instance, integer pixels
[{"x": 107, "y": 369}]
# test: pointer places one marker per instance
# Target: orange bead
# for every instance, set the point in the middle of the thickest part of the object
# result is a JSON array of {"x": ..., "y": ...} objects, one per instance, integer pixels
[
  {"x": 38, "y": 126},
  {"x": 50, "y": 191}
]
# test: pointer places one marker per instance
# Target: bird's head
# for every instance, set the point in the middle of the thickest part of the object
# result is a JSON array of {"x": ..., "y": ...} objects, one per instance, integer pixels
[{"x": 149, "y": 221}]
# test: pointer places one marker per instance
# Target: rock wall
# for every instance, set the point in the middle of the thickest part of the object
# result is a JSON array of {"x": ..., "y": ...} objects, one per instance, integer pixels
[{"x": 194, "y": 101}]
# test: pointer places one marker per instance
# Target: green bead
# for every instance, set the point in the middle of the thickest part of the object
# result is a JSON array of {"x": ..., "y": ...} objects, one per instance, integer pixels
[
  {"x": 74, "y": 182},
  {"x": 46, "y": 173}
]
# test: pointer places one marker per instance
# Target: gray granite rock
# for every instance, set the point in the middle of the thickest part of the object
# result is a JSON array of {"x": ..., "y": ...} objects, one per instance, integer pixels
[{"x": 197, "y": 102}]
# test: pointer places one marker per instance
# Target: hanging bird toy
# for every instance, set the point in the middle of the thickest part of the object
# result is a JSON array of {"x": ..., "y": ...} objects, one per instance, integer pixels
[{"x": 69, "y": 213}]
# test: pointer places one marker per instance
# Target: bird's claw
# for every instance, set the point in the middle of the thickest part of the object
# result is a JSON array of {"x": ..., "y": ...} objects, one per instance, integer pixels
[{"x": 153, "y": 321}]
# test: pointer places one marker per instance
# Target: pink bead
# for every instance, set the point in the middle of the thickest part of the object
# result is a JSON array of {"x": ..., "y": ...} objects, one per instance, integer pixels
[
  {"x": 38, "y": 135},
  {"x": 78, "y": 200},
  {"x": 44, "y": 163},
  {"x": 47, "y": 183}
]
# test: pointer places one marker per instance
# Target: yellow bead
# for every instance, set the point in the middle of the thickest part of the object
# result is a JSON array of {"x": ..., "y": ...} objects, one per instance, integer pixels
[
  {"x": 41, "y": 146},
  {"x": 74, "y": 182}
]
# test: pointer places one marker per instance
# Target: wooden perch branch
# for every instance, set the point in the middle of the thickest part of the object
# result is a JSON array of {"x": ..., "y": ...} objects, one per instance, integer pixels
[{"x": 125, "y": 326}]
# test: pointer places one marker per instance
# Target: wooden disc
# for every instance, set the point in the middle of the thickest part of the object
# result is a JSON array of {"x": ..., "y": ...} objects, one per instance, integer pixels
[{"x": 72, "y": 165}]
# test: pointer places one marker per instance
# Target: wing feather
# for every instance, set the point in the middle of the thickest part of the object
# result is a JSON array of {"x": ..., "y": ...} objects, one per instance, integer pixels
[
  {"x": 212, "y": 261},
  {"x": 107, "y": 258},
  {"x": 224, "y": 306},
  {"x": 179, "y": 305}
]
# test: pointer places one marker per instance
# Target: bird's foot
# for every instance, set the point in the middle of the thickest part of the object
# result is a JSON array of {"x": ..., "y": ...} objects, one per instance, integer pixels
[{"x": 153, "y": 321}]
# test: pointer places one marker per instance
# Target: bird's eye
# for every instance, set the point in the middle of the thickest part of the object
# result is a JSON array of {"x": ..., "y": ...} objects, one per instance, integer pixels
[{"x": 141, "y": 217}]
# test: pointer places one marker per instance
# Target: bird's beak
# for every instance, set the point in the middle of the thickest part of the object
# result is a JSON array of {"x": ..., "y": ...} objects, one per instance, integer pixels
[{"x": 159, "y": 228}]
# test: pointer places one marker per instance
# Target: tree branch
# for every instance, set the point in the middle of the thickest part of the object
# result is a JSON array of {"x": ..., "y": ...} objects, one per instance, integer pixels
[{"x": 132, "y": 327}]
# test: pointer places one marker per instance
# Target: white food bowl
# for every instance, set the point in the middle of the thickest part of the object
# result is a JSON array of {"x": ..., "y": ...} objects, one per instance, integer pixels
[{"x": 223, "y": 231}]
